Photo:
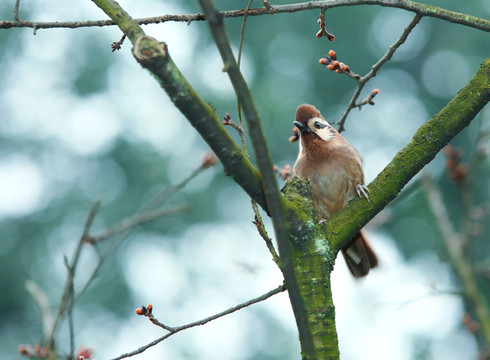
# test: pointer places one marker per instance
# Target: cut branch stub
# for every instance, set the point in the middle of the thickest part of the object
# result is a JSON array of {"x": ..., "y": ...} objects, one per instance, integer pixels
[{"x": 146, "y": 49}]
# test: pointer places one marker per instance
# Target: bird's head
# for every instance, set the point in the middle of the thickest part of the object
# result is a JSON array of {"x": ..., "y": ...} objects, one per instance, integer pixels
[{"x": 311, "y": 124}]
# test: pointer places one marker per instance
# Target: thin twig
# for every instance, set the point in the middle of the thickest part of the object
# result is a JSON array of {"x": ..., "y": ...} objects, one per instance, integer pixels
[
  {"x": 138, "y": 219},
  {"x": 454, "y": 245},
  {"x": 239, "y": 59},
  {"x": 242, "y": 32},
  {"x": 263, "y": 233},
  {"x": 363, "y": 80},
  {"x": 174, "y": 330},
  {"x": 71, "y": 326},
  {"x": 42, "y": 303},
  {"x": 267, "y": 5},
  {"x": 119, "y": 233},
  {"x": 142, "y": 216},
  {"x": 433, "y": 293},
  {"x": 258, "y": 218},
  {"x": 72, "y": 267},
  {"x": 418, "y": 8},
  {"x": 16, "y": 10},
  {"x": 167, "y": 191}
]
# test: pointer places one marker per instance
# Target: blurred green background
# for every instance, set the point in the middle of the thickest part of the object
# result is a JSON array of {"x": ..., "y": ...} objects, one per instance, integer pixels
[{"x": 79, "y": 123}]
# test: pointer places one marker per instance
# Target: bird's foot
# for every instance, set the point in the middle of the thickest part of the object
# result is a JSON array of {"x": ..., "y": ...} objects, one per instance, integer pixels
[
  {"x": 322, "y": 221},
  {"x": 361, "y": 189}
]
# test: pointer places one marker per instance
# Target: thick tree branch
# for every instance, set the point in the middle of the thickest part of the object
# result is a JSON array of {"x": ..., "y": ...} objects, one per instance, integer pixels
[
  {"x": 426, "y": 143},
  {"x": 273, "y": 198},
  {"x": 154, "y": 56},
  {"x": 122, "y": 19},
  {"x": 418, "y": 8}
]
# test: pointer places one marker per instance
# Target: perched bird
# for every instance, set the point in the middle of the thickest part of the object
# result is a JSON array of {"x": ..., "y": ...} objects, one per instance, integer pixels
[{"x": 335, "y": 172}]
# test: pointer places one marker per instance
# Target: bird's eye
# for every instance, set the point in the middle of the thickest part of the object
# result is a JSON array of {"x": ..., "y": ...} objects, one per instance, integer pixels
[{"x": 317, "y": 125}]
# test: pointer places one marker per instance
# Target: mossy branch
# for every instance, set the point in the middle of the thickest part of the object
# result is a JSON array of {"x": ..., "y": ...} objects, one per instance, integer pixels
[
  {"x": 312, "y": 263},
  {"x": 154, "y": 56},
  {"x": 282, "y": 227},
  {"x": 426, "y": 143},
  {"x": 121, "y": 18}
]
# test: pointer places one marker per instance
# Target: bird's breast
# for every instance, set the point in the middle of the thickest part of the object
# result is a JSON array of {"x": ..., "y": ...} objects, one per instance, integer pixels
[{"x": 333, "y": 183}]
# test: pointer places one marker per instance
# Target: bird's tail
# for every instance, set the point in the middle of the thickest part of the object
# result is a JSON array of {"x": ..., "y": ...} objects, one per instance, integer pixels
[{"x": 359, "y": 256}]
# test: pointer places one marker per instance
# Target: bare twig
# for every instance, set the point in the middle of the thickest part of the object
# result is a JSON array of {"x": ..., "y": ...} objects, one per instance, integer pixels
[
  {"x": 239, "y": 59},
  {"x": 429, "y": 294},
  {"x": 117, "y": 45},
  {"x": 167, "y": 191},
  {"x": 242, "y": 32},
  {"x": 454, "y": 244},
  {"x": 367, "y": 99},
  {"x": 263, "y": 233},
  {"x": 71, "y": 326},
  {"x": 16, "y": 10},
  {"x": 267, "y": 4},
  {"x": 239, "y": 128},
  {"x": 258, "y": 218},
  {"x": 148, "y": 312},
  {"x": 138, "y": 219},
  {"x": 418, "y": 8},
  {"x": 228, "y": 121},
  {"x": 145, "y": 214},
  {"x": 363, "y": 80},
  {"x": 331, "y": 62},
  {"x": 323, "y": 32},
  {"x": 174, "y": 330},
  {"x": 42, "y": 303},
  {"x": 69, "y": 287}
]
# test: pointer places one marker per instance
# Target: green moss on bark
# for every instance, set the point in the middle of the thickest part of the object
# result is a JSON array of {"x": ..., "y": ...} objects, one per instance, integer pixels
[{"x": 313, "y": 262}]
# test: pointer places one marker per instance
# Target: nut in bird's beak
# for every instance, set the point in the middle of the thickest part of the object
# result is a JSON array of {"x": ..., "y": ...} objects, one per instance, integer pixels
[{"x": 303, "y": 128}]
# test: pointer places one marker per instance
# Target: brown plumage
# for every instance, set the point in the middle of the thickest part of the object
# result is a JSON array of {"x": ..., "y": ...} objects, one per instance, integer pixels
[{"x": 336, "y": 176}]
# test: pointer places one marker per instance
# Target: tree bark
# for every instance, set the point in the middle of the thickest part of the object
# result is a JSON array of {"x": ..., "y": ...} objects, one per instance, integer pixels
[{"x": 311, "y": 248}]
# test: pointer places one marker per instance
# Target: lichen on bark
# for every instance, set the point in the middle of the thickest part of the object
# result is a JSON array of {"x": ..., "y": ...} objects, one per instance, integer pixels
[{"x": 313, "y": 262}]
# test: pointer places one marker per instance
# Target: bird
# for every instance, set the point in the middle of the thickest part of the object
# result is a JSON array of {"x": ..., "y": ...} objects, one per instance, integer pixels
[{"x": 336, "y": 176}]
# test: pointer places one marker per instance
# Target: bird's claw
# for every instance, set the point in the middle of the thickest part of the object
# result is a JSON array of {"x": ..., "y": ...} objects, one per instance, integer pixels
[
  {"x": 361, "y": 189},
  {"x": 322, "y": 221}
]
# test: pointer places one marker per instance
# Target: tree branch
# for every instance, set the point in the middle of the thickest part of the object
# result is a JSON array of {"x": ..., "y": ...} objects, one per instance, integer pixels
[
  {"x": 454, "y": 245},
  {"x": 16, "y": 10},
  {"x": 66, "y": 298},
  {"x": 374, "y": 69},
  {"x": 154, "y": 56},
  {"x": 42, "y": 303},
  {"x": 273, "y": 198},
  {"x": 138, "y": 219},
  {"x": 174, "y": 330},
  {"x": 426, "y": 143},
  {"x": 418, "y": 8}
]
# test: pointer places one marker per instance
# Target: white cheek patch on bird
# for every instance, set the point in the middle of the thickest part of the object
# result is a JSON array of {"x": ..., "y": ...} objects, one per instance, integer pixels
[{"x": 320, "y": 127}]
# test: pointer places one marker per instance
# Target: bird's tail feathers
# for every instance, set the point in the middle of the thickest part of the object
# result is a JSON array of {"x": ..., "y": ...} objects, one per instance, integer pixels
[{"x": 359, "y": 256}]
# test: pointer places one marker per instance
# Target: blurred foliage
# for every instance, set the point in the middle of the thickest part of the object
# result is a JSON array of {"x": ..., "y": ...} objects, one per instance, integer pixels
[{"x": 282, "y": 52}]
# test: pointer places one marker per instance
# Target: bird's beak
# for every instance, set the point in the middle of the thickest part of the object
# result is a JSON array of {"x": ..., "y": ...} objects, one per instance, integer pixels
[{"x": 301, "y": 127}]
